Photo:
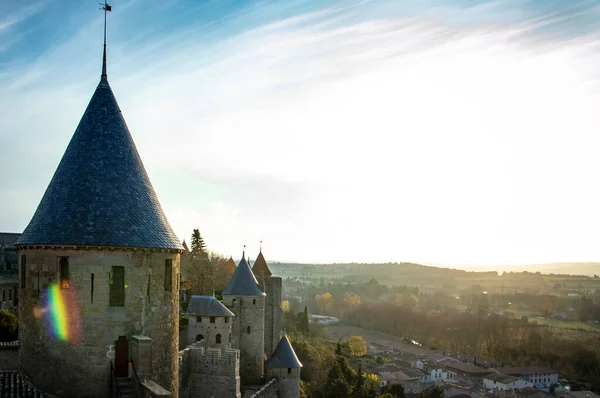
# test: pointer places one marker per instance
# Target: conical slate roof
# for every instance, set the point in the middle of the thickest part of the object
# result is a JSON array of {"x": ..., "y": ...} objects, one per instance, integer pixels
[
  {"x": 243, "y": 282},
  {"x": 284, "y": 355},
  {"x": 260, "y": 266},
  {"x": 100, "y": 194}
]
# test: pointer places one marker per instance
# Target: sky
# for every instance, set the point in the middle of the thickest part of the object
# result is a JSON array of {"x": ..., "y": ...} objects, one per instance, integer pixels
[{"x": 439, "y": 132}]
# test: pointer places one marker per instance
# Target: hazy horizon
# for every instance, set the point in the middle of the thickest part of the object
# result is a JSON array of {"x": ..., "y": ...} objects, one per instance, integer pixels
[{"x": 437, "y": 132}]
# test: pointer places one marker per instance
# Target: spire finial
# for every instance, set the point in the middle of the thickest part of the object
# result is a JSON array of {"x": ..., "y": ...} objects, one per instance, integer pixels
[
  {"x": 106, "y": 9},
  {"x": 260, "y": 247},
  {"x": 213, "y": 292},
  {"x": 284, "y": 333},
  {"x": 244, "y": 252}
]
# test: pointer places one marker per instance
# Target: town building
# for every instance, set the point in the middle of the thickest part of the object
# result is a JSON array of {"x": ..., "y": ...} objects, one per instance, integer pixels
[
  {"x": 535, "y": 375},
  {"x": 498, "y": 381}
]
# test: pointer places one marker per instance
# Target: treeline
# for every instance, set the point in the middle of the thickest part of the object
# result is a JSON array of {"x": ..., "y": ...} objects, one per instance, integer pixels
[{"x": 202, "y": 271}]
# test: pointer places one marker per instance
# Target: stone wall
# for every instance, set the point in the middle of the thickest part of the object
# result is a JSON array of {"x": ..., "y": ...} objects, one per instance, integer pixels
[
  {"x": 209, "y": 331},
  {"x": 9, "y": 356},
  {"x": 249, "y": 312},
  {"x": 288, "y": 381},
  {"x": 269, "y": 390},
  {"x": 209, "y": 372},
  {"x": 272, "y": 313},
  {"x": 81, "y": 345}
]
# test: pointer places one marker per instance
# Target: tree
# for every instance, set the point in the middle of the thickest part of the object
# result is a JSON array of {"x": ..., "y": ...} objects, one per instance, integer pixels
[
  {"x": 324, "y": 301},
  {"x": 285, "y": 306},
  {"x": 435, "y": 392},
  {"x": 198, "y": 250},
  {"x": 358, "y": 347},
  {"x": 8, "y": 326},
  {"x": 304, "y": 320},
  {"x": 394, "y": 390}
]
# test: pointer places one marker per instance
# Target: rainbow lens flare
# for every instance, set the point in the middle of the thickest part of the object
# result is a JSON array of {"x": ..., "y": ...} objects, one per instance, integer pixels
[{"x": 60, "y": 313}]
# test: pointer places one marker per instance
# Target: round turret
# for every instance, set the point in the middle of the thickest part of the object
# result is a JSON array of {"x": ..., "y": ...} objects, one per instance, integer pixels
[
  {"x": 98, "y": 263},
  {"x": 284, "y": 365},
  {"x": 246, "y": 300}
]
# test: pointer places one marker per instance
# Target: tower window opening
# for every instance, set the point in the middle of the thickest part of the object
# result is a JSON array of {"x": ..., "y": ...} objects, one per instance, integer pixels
[
  {"x": 168, "y": 275},
  {"x": 226, "y": 320},
  {"x": 199, "y": 337},
  {"x": 218, "y": 339},
  {"x": 289, "y": 370},
  {"x": 63, "y": 269},
  {"x": 92, "y": 289},
  {"x": 148, "y": 287},
  {"x": 212, "y": 319},
  {"x": 38, "y": 285},
  {"x": 3, "y": 295},
  {"x": 23, "y": 271},
  {"x": 9, "y": 294},
  {"x": 8, "y": 265},
  {"x": 230, "y": 337},
  {"x": 198, "y": 319},
  {"x": 117, "y": 286},
  {"x": 248, "y": 330},
  {"x": 253, "y": 301}
]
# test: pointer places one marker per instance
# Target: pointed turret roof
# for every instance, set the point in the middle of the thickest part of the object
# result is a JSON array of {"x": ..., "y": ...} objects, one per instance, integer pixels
[
  {"x": 243, "y": 282},
  {"x": 260, "y": 266},
  {"x": 100, "y": 194},
  {"x": 284, "y": 355}
]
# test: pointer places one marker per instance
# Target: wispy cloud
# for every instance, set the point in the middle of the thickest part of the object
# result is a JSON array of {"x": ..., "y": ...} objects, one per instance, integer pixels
[{"x": 430, "y": 134}]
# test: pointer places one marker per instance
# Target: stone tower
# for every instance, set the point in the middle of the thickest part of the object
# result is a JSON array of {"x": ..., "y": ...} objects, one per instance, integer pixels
[
  {"x": 98, "y": 260},
  {"x": 284, "y": 366},
  {"x": 246, "y": 300},
  {"x": 209, "y": 322},
  {"x": 271, "y": 285}
]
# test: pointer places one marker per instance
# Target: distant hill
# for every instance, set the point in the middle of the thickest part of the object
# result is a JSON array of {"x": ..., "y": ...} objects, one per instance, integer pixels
[{"x": 589, "y": 269}]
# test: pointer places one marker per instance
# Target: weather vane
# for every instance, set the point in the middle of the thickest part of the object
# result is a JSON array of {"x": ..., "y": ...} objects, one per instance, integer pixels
[{"x": 105, "y": 7}]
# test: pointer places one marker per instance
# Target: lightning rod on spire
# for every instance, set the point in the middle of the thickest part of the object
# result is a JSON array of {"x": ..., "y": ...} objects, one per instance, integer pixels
[{"x": 106, "y": 8}]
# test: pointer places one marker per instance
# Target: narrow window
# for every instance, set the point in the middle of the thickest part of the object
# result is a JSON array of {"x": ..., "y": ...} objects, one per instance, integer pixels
[
  {"x": 253, "y": 301},
  {"x": 199, "y": 337},
  {"x": 148, "y": 287},
  {"x": 248, "y": 330},
  {"x": 63, "y": 263},
  {"x": 233, "y": 301},
  {"x": 230, "y": 337},
  {"x": 218, "y": 339},
  {"x": 3, "y": 295},
  {"x": 289, "y": 370},
  {"x": 9, "y": 294},
  {"x": 23, "y": 271},
  {"x": 168, "y": 275},
  {"x": 117, "y": 287},
  {"x": 92, "y": 289},
  {"x": 8, "y": 265},
  {"x": 226, "y": 320},
  {"x": 212, "y": 319},
  {"x": 38, "y": 285},
  {"x": 198, "y": 319}
]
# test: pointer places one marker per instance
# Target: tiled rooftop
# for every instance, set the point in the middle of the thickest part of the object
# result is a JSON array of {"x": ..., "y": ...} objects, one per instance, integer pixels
[{"x": 100, "y": 194}]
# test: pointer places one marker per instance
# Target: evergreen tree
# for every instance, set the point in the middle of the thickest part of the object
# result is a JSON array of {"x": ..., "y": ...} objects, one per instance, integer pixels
[
  {"x": 304, "y": 325},
  {"x": 198, "y": 249}
]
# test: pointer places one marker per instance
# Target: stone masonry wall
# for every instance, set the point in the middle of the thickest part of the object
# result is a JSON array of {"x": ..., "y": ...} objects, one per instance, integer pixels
[
  {"x": 209, "y": 331},
  {"x": 249, "y": 312},
  {"x": 269, "y": 390},
  {"x": 80, "y": 361},
  {"x": 288, "y": 384},
  {"x": 209, "y": 372},
  {"x": 272, "y": 313}
]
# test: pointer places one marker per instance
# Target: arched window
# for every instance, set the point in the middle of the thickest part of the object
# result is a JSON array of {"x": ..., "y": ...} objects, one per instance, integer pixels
[
  {"x": 218, "y": 339},
  {"x": 199, "y": 337},
  {"x": 248, "y": 330}
]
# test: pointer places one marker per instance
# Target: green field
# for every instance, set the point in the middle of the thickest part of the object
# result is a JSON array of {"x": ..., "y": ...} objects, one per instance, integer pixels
[{"x": 557, "y": 323}]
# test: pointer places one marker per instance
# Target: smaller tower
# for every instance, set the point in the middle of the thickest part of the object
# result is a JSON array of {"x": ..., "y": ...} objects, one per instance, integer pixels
[
  {"x": 246, "y": 300},
  {"x": 285, "y": 367},
  {"x": 209, "y": 323},
  {"x": 271, "y": 285}
]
